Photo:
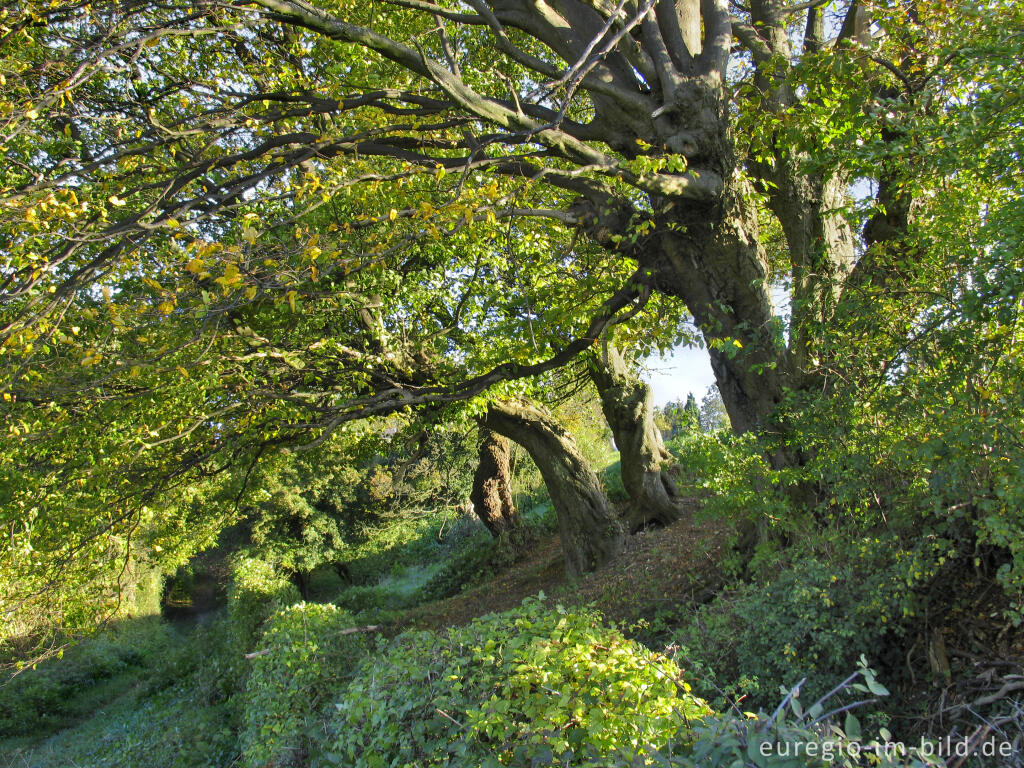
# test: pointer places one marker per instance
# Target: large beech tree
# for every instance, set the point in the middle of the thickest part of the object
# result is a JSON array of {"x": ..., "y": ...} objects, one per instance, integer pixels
[
  {"x": 232, "y": 226},
  {"x": 491, "y": 496},
  {"x": 591, "y": 534},
  {"x": 628, "y": 407}
]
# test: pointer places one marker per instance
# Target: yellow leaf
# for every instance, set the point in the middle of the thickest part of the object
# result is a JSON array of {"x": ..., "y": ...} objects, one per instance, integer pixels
[
  {"x": 32, "y": 114},
  {"x": 291, "y": 299},
  {"x": 250, "y": 292},
  {"x": 165, "y": 308},
  {"x": 392, "y": 214},
  {"x": 230, "y": 278},
  {"x": 195, "y": 266},
  {"x": 249, "y": 234},
  {"x": 182, "y": 371},
  {"x": 115, "y": 200},
  {"x": 106, "y": 292}
]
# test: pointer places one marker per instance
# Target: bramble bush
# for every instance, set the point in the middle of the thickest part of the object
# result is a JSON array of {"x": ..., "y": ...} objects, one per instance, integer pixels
[
  {"x": 792, "y": 736},
  {"x": 532, "y": 685},
  {"x": 813, "y": 620},
  {"x": 306, "y": 661}
]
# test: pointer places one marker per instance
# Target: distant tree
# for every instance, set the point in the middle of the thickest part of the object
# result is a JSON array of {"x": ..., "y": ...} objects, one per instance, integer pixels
[
  {"x": 712, "y": 415},
  {"x": 691, "y": 410},
  {"x": 676, "y": 417}
]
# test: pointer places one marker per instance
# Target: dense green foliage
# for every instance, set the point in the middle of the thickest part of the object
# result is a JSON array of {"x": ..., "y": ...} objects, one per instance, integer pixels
[
  {"x": 49, "y": 697},
  {"x": 537, "y": 684},
  {"x": 257, "y": 590},
  {"x": 305, "y": 659},
  {"x": 262, "y": 267}
]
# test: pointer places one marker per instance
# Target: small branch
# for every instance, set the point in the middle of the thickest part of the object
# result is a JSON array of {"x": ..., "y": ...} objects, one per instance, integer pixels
[
  {"x": 349, "y": 631},
  {"x": 367, "y": 628}
]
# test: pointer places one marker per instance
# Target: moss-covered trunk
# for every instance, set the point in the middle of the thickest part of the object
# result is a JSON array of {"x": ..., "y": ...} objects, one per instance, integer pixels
[{"x": 590, "y": 534}]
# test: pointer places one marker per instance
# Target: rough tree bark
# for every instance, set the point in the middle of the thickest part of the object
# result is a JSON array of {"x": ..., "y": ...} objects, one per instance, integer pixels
[
  {"x": 626, "y": 402},
  {"x": 591, "y": 536},
  {"x": 491, "y": 496}
]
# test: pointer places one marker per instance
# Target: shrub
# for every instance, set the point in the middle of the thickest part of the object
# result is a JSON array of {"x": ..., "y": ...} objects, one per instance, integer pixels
[
  {"x": 613, "y": 486},
  {"x": 482, "y": 556},
  {"x": 305, "y": 659},
  {"x": 790, "y": 737},
  {"x": 367, "y": 599},
  {"x": 530, "y": 685},
  {"x": 256, "y": 591},
  {"x": 822, "y": 617},
  {"x": 473, "y": 560}
]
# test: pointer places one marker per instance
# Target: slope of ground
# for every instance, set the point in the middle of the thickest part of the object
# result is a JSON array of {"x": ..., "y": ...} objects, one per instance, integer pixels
[{"x": 660, "y": 573}]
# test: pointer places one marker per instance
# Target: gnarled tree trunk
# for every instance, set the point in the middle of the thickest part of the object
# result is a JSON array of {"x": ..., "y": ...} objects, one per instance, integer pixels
[
  {"x": 732, "y": 307},
  {"x": 491, "y": 495},
  {"x": 626, "y": 402},
  {"x": 591, "y": 536}
]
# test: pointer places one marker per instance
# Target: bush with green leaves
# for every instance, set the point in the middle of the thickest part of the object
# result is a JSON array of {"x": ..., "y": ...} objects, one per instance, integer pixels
[
  {"x": 813, "y": 620},
  {"x": 479, "y": 557},
  {"x": 534, "y": 684},
  {"x": 171, "y": 706},
  {"x": 306, "y": 656},
  {"x": 257, "y": 590}
]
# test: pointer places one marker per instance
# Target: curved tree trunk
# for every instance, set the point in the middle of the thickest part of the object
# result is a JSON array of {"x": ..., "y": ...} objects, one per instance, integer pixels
[
  {"x": 491, "y": 495},
  {"x": 591, "y": 536},
  {"x": 626, "y": 402}
]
